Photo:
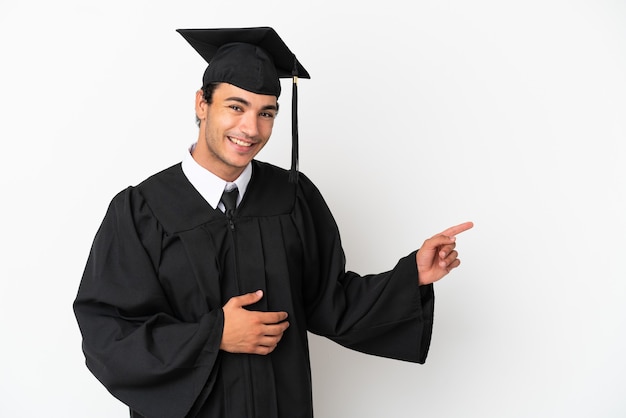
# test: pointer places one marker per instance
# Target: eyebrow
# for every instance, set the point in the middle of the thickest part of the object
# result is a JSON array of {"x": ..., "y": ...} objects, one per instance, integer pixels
[{"x": 247, "y": 103}]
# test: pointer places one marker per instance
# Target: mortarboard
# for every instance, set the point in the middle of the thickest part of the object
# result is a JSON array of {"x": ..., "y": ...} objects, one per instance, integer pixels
[{"x": 253, "y": 59}]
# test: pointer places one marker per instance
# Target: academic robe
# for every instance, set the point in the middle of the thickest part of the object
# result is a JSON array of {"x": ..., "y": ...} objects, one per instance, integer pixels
[{"x": 164, "y": 262}]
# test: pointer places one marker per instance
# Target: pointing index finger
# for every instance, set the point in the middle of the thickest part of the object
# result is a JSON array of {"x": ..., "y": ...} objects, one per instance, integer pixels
[{"x": 455, "y": 230}]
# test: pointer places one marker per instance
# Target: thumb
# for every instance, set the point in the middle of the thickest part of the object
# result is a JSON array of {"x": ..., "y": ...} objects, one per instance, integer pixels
[
  {"x": 437, "y": 241},
  {"x": 249, "y": 298}
]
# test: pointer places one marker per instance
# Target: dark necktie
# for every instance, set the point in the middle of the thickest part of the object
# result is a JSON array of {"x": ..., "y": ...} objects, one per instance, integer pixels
[{"x": 229, "y": 199}]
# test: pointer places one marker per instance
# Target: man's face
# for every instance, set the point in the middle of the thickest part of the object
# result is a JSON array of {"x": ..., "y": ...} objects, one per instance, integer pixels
[{"x": 233, "y": 129}]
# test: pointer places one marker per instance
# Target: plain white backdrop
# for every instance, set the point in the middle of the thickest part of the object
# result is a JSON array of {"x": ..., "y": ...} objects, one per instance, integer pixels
[{"x": 510, "y": 114}]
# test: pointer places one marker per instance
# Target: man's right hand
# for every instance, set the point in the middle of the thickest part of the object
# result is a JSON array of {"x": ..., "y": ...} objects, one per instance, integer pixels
[{"x": 251, "y": 332}]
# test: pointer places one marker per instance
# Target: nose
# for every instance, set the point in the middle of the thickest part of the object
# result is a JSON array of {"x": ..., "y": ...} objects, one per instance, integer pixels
[{"x": 249, "y": 124}]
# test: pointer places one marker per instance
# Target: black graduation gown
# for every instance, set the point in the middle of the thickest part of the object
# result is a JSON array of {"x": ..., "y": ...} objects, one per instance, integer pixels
[{"x": 163, "y": 263}]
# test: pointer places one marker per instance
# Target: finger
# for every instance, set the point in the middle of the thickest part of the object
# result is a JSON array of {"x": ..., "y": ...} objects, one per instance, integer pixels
[
  {"x": 445, "y": 250},
  {"x": 276, "y": 329},
  {"x": 457, "y": 229},
  {"x": 449, "y": 259},
  {"x": 268, "y": 343},
  {"x": 454, "y": 264},
  {"x": 270, "y": 340},
  {"x": 450, "y": 263},
  {"x": 264, "y": 350},
  {"x": 271, "y": 317}
]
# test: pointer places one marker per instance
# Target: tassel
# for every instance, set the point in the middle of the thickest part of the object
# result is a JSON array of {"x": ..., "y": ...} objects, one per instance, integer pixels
[{"x": 293, "y": 174}]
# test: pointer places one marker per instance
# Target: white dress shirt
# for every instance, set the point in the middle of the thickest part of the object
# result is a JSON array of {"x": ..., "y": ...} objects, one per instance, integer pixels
[{"x": 211, "y": 186}]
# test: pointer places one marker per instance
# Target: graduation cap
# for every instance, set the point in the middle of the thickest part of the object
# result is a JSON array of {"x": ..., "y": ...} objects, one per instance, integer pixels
[{"x": 253, "y": 59}]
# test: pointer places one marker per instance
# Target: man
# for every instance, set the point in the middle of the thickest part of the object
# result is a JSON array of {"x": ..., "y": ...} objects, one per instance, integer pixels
[{"x": 196, "y": 299}]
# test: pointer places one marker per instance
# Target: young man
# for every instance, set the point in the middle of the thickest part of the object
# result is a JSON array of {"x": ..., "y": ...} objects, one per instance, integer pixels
[{"x": 196, "y": 304}]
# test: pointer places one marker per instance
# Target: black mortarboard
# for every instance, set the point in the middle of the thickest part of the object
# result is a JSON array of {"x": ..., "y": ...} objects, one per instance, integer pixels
[{"x": 252, "y": 59}]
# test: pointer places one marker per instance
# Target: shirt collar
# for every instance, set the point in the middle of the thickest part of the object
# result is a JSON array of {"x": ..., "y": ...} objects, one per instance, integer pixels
[{"x": 208, "y": 184}]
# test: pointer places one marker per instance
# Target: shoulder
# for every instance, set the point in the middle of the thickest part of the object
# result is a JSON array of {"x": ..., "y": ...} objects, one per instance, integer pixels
[
  {"x": 278, "y": 178},
  {"x": 271, "y": 192},
  {"x": 168, "y": 197},
  {"x": 165, "y": 181}
]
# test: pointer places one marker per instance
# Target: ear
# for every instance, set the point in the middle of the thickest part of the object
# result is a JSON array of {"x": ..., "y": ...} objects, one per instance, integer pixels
[{"x": 201, "y": 105}]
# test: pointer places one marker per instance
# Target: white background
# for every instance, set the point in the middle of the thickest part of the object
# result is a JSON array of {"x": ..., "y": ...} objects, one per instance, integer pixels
[{"x": 511, "y": 114}]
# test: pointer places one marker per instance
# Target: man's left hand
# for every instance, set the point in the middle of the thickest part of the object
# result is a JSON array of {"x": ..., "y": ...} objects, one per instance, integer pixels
[{"x": 437, "y": 256}]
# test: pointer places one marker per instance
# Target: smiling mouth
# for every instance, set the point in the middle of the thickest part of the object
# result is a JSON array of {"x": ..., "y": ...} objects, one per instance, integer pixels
[{"x": 239, "y": 142}]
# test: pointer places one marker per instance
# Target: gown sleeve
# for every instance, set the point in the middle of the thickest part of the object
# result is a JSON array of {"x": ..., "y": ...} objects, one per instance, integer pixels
[
  {"x": 387, "y": 314},
  {"x": 132, "y": 341}
]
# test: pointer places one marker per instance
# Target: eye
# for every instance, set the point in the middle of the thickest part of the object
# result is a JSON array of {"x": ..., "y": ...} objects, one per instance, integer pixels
[
  {"x": 267, "y": 115},
  {"x": 235, "y": 107}
]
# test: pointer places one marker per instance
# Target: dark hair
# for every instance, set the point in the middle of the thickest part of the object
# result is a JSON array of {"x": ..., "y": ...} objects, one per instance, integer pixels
[
  {"x": 207, "y": 95},
  {"x": 207, "y": 92}
]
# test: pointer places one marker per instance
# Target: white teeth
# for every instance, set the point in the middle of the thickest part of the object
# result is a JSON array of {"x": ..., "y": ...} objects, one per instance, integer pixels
[{"x": 238, "y": 142}]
